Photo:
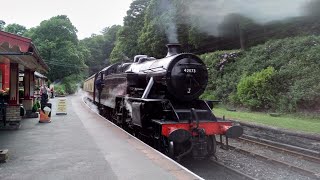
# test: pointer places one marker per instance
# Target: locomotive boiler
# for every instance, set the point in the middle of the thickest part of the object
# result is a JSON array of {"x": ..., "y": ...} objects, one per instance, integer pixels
[{"x": 158, "y": 101}]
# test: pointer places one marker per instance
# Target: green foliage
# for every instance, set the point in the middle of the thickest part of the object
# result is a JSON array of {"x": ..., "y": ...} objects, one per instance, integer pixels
[
  {"x": 152, "y": 40},
  {"x": 208, "y": 96},
  {"x": 57, "y": 29},
  {"x": 94, "y": 45},
  {"x": 99, "y": 48},
  {"x": 36, "y": 106},
  {"x": 256, "y": 91},
  {"x": 59, "y": 89},
  {"x": 15, "y": 29},
  {"x": 222, "y": 81},
  {"x": 292, "y": 86},
  {"x": 71, "y": 83},
  {"x": 58, "y": 44},
  {"x": 126, "y": 45}
]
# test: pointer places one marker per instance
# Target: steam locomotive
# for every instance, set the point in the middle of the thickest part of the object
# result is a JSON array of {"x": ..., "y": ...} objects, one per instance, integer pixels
[{"x": 158, "y": 101}]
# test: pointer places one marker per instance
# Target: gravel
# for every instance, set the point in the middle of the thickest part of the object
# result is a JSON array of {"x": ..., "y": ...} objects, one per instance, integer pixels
[
  {"x": 257, "y": 168},
  {"x": 283, "y": 137},
  {"x": 210, "y": 170},
  {"x": 280, "y": 156}
]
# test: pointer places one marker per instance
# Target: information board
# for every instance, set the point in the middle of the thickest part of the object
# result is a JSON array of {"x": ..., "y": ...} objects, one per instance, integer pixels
[{"x": 62, "y": 106}]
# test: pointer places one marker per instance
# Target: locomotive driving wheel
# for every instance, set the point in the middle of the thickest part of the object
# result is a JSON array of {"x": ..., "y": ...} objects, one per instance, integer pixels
[
  {"x": 171, "y": 149},
  {"x": 167, "y": 147},
  {"x": 211, "y": 145}
]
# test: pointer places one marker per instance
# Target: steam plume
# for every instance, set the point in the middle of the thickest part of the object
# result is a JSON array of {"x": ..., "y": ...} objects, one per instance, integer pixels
[
  {"x": 211, "y": 13},
  {"x": 167, "y": 20}
]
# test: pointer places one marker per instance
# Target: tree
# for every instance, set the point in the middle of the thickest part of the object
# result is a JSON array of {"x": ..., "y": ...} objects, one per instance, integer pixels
[
  {"x": 169, "y": 22},
  {"x": 110, "y": 33},
  {"x": 126, "y": 44},
  {"x": 100, "y": 48},
  {"x": 15, "y": 29},
  {"x": 95, "y": 45},
  {"x": 58, "y": 44},
  {"x": 153, "y": 36},
  {"x": 57, "y": 29}
]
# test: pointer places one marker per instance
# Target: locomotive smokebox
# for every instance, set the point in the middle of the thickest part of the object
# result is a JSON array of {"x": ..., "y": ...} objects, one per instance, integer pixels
[{"x": 173, "y": 49}]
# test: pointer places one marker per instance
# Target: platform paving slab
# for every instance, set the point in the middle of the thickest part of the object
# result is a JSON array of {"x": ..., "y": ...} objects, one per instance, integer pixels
[{"x": 80, "y": 145}]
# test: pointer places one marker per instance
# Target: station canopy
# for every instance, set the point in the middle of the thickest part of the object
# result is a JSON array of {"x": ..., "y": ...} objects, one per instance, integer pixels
[{"x": 22, "y": 51}]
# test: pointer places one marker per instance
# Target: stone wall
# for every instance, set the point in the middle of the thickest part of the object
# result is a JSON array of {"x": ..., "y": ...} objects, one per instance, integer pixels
[{"x": 13, "y": 118}]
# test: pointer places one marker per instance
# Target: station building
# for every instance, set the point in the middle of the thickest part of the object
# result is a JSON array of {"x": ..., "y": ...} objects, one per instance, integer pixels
[{"x": 18, "y": 55}]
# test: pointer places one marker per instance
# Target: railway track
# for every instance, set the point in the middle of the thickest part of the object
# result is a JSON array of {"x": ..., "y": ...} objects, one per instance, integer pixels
[
  {"x": 213, "y": 170},
  {"x": 303, "y": 152},
  {"x": 298, "y": 153}
]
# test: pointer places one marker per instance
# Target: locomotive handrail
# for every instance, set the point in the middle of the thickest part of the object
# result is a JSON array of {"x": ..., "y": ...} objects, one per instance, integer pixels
[
  {"x": 147, "y": 100},
  {"x": 148, "y": 89},
  {"x": 152, "y": 69},
  {"x": 188, "y": 110},
  {"x": 196, "y": 64}
]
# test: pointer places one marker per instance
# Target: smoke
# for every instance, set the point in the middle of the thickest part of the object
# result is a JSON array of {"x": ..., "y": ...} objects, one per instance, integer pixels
[
  {"x": 128, "y": 105},
  {"x": 167, "y": 20},
  {"x": 211, "y": 13},
  {"x": 84, "y": 95}
]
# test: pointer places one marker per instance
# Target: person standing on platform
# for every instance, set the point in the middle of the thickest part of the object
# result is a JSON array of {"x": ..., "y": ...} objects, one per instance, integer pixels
[
  {"x": 52, "y": 91},
  {"x": 44, "y": 94}
]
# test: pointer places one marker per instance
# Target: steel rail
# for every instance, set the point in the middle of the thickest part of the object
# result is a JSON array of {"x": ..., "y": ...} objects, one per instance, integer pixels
[
  {"x": 274, "y": 161},
  {"x": 280, "y": 149},
  {"x": 246, "y": 176}
]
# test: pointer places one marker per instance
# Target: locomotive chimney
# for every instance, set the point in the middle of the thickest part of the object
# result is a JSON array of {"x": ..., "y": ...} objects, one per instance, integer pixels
[{"x": 173, "y": 49}]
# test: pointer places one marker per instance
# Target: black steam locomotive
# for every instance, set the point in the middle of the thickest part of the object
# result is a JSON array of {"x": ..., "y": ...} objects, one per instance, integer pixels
[{"x": 158, "y": 100}]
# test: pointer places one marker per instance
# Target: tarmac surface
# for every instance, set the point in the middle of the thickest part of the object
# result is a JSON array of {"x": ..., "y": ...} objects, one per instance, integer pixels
[{"x": 81, "y": 145}]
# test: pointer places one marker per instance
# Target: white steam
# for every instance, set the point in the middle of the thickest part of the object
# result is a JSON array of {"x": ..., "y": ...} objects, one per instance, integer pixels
[
  {"x": 84, "y": 95},
  {"x": 167, "y": 20},
  {"x": 128, "y": 105},
  {"x": 211, "y": 13}
]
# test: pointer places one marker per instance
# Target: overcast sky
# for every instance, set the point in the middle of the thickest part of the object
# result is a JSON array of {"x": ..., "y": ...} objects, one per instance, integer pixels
[{"x": 88, "y": 17}]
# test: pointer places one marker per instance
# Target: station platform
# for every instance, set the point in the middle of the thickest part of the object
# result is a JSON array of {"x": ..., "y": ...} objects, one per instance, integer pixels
[{"x": 81, "y": 145}]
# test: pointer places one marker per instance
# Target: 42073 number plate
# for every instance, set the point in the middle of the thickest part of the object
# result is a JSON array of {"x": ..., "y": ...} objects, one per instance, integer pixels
[{"x": 189, "y": 70}]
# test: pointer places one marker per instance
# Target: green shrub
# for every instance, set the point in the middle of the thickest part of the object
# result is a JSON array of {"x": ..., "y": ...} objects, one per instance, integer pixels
[
  {"x": 208, "y": 96},
  {"x": 36, "y": 106},
  {"x": 222, "y": 80},
  {"x": 256, "y": 90},
  {"x": 59, "y": 90},
  {"x": 71, "y": 83}
]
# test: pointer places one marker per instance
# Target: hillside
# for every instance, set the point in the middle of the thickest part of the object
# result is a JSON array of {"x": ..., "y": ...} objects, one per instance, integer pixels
[{"x": 281, "y": 75}]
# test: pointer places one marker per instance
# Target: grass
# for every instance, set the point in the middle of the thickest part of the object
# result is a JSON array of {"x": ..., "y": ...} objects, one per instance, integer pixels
[{"x": 303, "y": 124}]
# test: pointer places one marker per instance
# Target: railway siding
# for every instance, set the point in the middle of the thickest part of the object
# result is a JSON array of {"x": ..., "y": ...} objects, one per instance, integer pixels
[{"x": 282, "y": 158}]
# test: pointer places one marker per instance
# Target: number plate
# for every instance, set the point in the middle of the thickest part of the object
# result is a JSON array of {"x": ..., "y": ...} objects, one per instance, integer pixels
[{"x": 189, "y": 70}]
